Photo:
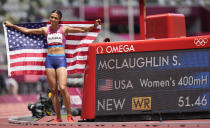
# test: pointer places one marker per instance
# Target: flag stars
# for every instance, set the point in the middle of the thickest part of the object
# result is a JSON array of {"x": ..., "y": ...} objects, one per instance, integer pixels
[{"x": 17, "y": 39}]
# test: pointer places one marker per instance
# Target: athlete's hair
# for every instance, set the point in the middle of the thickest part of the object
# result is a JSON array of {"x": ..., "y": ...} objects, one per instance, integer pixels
[{"x": 57, "y": 12}]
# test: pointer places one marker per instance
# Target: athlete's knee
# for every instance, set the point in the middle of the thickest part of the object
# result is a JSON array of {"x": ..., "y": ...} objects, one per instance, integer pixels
[
  {"x": 54, "y": 91},
  {"x": 63, "y": 89}
]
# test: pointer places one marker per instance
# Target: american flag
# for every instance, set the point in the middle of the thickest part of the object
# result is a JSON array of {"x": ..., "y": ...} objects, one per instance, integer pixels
[
  {"x": 26, "y": 53},
  {"x": 105, "y": 84}
]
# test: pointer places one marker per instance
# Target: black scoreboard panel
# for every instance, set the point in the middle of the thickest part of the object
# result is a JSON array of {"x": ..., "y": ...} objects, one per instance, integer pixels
[{"x": 152, "y": 82}]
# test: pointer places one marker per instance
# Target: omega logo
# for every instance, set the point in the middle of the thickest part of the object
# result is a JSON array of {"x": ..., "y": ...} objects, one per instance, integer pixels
[
  {"x": 115, "y": 49},
  {"x": 99, "y": 50}
]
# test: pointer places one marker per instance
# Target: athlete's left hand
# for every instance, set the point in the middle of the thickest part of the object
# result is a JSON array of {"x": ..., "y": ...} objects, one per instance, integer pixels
[{"x": 98, "y": 21}]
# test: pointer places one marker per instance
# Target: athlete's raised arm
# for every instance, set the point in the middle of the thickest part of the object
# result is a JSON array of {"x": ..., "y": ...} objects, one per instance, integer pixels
[
  {"x": 26, "y": 30},
  {"x": 68, "y": 29}
]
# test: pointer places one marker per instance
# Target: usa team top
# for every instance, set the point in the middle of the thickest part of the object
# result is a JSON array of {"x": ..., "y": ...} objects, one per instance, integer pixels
[{"x": 56, "y": 38}]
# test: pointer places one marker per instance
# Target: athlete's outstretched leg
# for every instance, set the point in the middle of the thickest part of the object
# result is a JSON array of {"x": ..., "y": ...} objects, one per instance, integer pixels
[
  {"x": 52, "y": 81},
  {"x": 62, "y": 81}
]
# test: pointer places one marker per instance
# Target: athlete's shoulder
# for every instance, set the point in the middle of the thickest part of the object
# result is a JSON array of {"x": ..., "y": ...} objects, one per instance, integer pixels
[
  {"x": 66, "y": 28},
  {"x": 44, "y": 29}
]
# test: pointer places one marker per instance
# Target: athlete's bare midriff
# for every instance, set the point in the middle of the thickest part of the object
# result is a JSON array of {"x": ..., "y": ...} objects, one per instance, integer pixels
[{"x": 56, "y": 50}]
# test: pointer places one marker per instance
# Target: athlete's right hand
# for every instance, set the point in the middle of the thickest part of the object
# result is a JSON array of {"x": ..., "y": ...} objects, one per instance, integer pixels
[{"x": 8, "y": 24}]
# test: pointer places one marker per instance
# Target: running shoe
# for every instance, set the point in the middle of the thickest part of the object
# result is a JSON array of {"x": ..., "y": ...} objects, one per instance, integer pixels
[
  {"x": 70, "y": 119},
  {"x": 57, "y": 120}
]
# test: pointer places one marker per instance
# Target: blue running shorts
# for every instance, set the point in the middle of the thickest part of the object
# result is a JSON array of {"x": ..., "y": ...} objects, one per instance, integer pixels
[{"x": 55, "y": 61}]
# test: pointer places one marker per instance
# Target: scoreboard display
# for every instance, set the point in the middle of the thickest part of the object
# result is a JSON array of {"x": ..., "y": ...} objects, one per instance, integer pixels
[
  {"x": 147, "y": 77},
  {"x": 152, "y": 82}
]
